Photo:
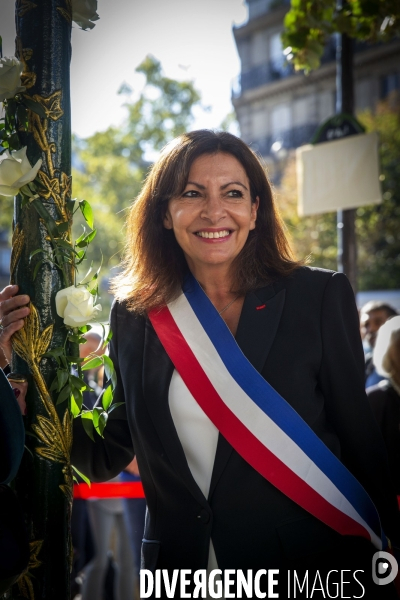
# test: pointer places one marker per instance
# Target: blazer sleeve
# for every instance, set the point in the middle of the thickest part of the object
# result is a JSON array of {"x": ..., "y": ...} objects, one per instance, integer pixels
[
  {"x": 341, "y": 379},
  {"x": 106, "y": 457}
]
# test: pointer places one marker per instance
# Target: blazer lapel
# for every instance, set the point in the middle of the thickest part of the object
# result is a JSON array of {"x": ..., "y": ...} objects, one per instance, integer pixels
[
  {"x": 258, "y": 324},
  {"x": 255, "y": 334},
  {"x": 157, "y": 373}
]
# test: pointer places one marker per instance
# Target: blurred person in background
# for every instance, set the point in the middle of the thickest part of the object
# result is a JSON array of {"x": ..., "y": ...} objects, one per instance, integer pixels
[
  {"x": 372, "y": 316},
  {"x": 135, "y": 512},
  {"x": 82, "y": 538},
  {"x": 384, "y": 397},
  {"x": 103, "y": 520}
]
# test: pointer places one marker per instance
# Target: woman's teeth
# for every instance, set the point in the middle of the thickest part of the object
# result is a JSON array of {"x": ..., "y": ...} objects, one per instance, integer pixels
[{"x": 213, "y": 234}]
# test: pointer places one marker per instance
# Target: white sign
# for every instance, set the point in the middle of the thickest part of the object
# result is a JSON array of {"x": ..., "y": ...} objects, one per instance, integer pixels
[{"x": 338, "y": 175}]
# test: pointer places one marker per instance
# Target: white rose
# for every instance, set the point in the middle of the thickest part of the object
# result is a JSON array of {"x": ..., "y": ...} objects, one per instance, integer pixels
[
  {"x": 84, "y": 12},
  {"x": 16, "y": 171},
  {"x": 10, "y": 77},
  {"x": 75, "y": 306}
]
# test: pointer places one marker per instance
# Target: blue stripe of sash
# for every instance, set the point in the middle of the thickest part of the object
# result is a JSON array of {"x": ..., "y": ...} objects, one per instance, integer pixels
[{"x": 276, "y": 407}]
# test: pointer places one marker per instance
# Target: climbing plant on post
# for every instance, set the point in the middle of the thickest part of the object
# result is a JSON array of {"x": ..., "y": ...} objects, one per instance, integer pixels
[
  {"x": 36, "y": 131},
  {"x": 44, "y": 483}
]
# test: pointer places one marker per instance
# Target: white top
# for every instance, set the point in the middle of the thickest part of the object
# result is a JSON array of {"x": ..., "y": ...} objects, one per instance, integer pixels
[{"x": 199, "y": 439}]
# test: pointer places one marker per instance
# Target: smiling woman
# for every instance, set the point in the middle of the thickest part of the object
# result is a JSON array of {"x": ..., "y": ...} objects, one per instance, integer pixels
[
  {"x": 204, "y": 184},
  {"x": 256, "y": 450}
]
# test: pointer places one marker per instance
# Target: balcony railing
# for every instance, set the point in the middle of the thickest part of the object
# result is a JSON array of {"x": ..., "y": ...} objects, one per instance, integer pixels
[
  {"x": 279, "y": 69},
  {"x": 261, "y": 75},
  {"x": 289, "y": 139}
]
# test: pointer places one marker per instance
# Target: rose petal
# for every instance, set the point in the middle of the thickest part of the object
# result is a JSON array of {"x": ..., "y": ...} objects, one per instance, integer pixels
[
  {"x": 62, "y": 300},
  {"x": 10, "y": 172},
  {"x": 10, "y": 77},
  {"x": 6, "y": 190},
  {"x": 20, "y": 156},
  {"x": 30, "y": 176}
]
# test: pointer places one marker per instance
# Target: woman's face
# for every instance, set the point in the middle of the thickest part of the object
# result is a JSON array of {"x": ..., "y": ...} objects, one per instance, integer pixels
[{"x": 212, "y": 218}]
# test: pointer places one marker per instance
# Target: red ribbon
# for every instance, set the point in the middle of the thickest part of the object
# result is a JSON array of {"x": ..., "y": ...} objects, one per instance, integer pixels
[{"x": 121, "y": 489}]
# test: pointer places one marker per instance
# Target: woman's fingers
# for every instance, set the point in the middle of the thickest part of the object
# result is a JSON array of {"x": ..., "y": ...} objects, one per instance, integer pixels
[
  {"x": 8, "y": 292},
  {"x": 15, "y": 315},
  {"x": 10, "y": 303},
  {"x": 13, "y": 310}
]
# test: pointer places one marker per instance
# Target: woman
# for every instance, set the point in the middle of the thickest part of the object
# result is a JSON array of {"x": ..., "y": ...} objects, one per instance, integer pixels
[
  {"x": 384, "y": 397},
  {"x": 205, "y": 221}
]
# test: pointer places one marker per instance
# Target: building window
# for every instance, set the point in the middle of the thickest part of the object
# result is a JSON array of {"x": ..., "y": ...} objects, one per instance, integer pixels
[
  {"x": 276, "y": 58},
  {"x": 280, "y": 123},
  {"x": 389, "y": 84}
]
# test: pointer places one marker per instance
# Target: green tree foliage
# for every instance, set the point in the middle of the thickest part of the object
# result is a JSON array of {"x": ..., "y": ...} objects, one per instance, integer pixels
[
  {"x": 110, "y": 165},
  {"x": 377, "y": 226},
  {"x": 309, "y": 23}
]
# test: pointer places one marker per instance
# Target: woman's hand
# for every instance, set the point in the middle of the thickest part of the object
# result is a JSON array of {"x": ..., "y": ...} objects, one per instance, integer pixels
[
  {"x": 133, "y": 468},
  {"x": 13, "y": 310}
]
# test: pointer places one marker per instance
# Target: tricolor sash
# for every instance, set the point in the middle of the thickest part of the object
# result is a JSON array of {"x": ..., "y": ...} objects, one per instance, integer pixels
[{"x": 260, "y": 425}]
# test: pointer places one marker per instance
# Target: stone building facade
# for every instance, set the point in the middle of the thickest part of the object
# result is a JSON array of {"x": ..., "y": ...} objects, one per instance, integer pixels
[{"x": 278, "y": 108}]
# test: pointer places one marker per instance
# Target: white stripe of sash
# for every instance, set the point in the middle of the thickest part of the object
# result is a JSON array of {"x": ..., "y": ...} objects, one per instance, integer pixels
[{"x": 256, "y": 421}]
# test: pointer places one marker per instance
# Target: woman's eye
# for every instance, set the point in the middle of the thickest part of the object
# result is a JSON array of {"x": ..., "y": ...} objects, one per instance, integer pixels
[
  {"x": 191, "y": 194},
  {"x": 235, "y": 194}
]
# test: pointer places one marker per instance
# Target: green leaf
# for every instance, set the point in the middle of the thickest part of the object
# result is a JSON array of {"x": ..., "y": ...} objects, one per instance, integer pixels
[
  {"x": 85, "y": 328},
  {"x": 13, "y": 142},
  {"x": 96, "y": 414},
  {"x": 85, "y": 479},
  {"x": 107, "y": 398},
  {"x": 64, "y": 394},
  {"x": 80, "y": 238},
  {"x": 85, "y": 241},
  {"x": 22, "y": 116},
  {"x": 34, "y": 106},
  {"x": 46, "y": 216},
  {"x": 87, "y": 423},
  {"x": 113, "y": 406},
  {"x": 62, "y": 378},
  {"x": 36, "y": 269},
  {"x": 103, "y": 418},
  {"x": 64, "y": 244},
  {"x": 73, "y": 359},
  {"x": 32, "y": 254},
  {"x": 76, "y": 399},
  {"x": 87, "y": 212},
  {"x": 54, "y": 385},
  {"x": 77, "y": 383},
  {"x": 109, "y": 370},
  {"x": 92, "y": 363},
  {"x": 63, "y": 227}
]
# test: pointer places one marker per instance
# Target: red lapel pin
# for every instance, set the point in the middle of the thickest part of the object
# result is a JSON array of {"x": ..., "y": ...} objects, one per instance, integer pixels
[{"x": 261, "y": 306}]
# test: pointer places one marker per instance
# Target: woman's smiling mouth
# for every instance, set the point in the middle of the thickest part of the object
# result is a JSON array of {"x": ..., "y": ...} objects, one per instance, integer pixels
[{"x": 213, "y": 234}]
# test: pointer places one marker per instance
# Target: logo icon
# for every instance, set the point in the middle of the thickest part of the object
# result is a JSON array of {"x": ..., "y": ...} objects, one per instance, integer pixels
[{"x": 384, "y": 568}]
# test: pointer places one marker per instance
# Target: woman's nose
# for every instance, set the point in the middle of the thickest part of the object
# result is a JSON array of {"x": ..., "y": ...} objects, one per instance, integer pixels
[{"x": 213, "y": 208}]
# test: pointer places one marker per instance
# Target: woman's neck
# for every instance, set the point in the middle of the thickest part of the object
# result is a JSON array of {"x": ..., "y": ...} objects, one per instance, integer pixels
[{"x": 215, "y": 282}]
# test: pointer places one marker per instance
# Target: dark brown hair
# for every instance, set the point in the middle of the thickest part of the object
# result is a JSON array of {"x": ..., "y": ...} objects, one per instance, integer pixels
[{"x": 154, "y": 265}]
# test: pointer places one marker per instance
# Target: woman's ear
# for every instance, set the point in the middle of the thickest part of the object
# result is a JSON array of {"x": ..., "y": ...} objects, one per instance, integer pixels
[
  {"x": 167, "y": 221},
  {"x": 253, "y": 216}
]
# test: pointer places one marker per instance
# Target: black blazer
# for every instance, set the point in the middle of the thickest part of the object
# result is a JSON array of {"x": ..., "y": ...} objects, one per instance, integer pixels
[{"x": 306, "y": 344}]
